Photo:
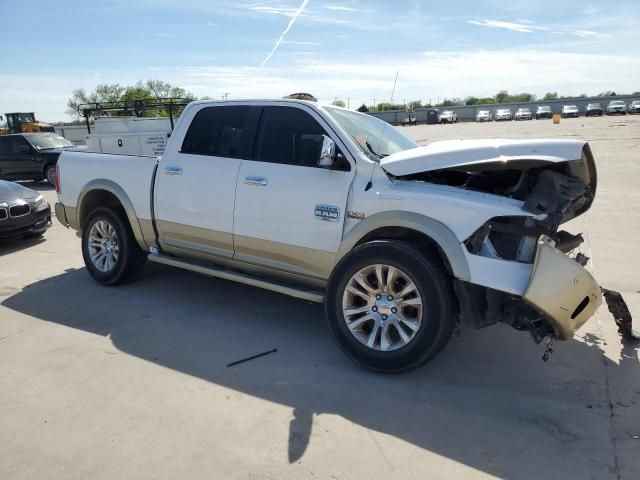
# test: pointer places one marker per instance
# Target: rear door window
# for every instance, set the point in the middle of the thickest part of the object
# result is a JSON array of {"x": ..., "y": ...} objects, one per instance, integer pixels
[
  {"x": 224, "y": 131},
  {"x": 5, "y": 145}
]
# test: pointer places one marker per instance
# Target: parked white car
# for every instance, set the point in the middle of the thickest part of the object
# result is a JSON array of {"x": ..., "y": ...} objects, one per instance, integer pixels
[
  {"x": 484, "y": 116},
  {"x": 503, "y": 114},
  {"x": 400, "y": 242},
  {"x": 570, "y": 111},
  {"x": 543, "y": 111},
  {"x": 634, "y": 107},
  {"x": 616, "y": 107},
  {"x": 523, "y": 114},
  {"x": 448, "y": 116}
]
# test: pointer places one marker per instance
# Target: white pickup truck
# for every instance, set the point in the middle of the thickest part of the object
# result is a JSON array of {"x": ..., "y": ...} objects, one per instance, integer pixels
[{"x": 401, "y": 243}]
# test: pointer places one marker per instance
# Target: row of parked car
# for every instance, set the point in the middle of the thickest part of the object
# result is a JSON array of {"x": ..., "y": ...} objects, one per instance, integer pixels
[{"x": 615, "y": 107}]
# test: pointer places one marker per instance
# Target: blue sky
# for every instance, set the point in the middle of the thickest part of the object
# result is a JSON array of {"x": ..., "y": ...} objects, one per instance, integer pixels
[{"x": 341, "y": 48}]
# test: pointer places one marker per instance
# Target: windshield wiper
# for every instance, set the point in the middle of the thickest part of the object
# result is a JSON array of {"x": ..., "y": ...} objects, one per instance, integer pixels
[{"x": 379, "y": 155}]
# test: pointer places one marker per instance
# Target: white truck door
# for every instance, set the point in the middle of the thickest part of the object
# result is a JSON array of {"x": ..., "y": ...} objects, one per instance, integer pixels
[
  {"x": 196, "y": 179},
  {"x": 289, "y": 212}
]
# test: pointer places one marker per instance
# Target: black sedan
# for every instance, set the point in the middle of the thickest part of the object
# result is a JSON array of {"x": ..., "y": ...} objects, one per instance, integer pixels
[{"x": 23, "y": 212}]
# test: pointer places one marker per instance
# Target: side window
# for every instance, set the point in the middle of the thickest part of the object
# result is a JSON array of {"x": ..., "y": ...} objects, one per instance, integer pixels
[
  {"x": 5, "y": 145},
  {"x": 219, "y": 131},
  {"x": 289, "y": 135},
  {"x": 20, "y": 145}
]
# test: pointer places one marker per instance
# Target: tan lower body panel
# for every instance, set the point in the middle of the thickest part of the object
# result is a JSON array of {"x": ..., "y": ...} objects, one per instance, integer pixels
[
  {"x": 261, "y": 257},
  {"x": 281, "y": 256},
  {"x": 186, "y": 237}
]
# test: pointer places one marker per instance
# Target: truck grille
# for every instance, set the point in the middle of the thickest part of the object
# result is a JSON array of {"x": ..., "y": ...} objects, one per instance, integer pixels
[
  {"x": 3, "y": 213},
  {"x": 20, "y": 210}
]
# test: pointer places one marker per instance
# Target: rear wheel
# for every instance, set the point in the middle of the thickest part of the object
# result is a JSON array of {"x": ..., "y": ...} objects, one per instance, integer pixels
[
  {"x": 389, "y": 307},
  {"x": 109, "y": 248}
]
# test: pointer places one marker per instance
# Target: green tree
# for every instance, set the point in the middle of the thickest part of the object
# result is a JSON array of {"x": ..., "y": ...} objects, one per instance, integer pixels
[
  {"x": 413, "y": 104},
  {"x": 116, "y": 94},
  {"x": 384, "y": 106},
  {"x": 523, "y": 97},
  {"x": 339, "y": 103},
  {"x": 451, "y": 102},
  {"x": 363, "y": 108},
  {"x": 502, "y": 97},
  {"x": 550, "y": 96}
]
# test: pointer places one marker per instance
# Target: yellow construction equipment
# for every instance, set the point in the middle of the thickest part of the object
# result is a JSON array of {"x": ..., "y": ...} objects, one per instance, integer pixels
[{"x": 24, "y": 123}]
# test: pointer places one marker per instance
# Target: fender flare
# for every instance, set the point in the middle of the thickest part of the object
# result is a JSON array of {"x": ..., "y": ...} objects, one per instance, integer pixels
[
  {"x": 117, "y": 191},
  {"x": 428, "y": 226}
]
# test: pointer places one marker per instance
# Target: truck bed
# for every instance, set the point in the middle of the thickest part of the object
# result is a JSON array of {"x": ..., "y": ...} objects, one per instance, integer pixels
[{"x": 131, "y": 173}]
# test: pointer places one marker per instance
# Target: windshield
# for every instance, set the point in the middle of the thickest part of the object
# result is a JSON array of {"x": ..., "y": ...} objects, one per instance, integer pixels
[
  {"x": 483, "y": 112},
  {"x": 617, "y": 103},
  {"x": 570, "y": 107},
  {"x": 49, "y": 142},
  {"x": 523, "y": 110},
  {"x": 593, "y": 105},
  {"x": 544, "y": 109},
  {"x": 376, "y": 139}
]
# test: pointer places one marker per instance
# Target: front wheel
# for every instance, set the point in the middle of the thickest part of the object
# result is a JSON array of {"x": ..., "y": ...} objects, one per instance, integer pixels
[
  {"x": 389, "y": 307},
  {"x": 109, "y": 248}
]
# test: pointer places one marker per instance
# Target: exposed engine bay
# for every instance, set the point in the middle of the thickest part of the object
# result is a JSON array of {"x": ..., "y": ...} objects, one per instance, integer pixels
[{"x": 555, "y": 192}]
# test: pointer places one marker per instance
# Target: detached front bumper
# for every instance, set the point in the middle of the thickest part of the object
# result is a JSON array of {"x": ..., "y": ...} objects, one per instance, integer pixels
[{"x": 562, "y": 290}]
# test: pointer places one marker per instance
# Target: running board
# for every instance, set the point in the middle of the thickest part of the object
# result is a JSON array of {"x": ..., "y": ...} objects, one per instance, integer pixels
[{"x": 218, "y": 272}]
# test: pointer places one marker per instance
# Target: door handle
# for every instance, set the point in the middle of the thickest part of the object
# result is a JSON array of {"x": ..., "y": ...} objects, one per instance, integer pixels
[
  {"x": 172, "y": 171},
  {"x": 257, "y": 181}
]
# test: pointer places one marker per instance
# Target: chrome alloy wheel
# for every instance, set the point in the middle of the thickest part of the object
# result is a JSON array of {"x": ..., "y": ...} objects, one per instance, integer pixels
[
  {"x": 382, "y": 307},
  {"x": 103, "y": 246}
]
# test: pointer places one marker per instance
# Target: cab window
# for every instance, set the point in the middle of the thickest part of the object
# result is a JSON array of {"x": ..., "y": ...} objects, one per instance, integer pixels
[{"x": 289, "y": 135}]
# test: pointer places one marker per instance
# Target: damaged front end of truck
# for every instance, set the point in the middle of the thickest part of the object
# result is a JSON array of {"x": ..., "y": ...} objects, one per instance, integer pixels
[{"x": 554, "y": 181}]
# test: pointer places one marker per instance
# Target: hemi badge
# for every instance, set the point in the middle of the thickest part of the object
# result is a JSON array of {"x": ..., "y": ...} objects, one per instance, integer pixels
[{"x": 330, "y": 213}]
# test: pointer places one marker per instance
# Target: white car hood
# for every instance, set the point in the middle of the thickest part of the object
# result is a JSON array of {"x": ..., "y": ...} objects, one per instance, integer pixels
[{"x": 481, "y": 153}]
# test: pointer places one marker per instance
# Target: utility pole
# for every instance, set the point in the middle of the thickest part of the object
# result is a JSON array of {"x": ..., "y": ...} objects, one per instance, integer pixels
[
  {"x": 225, "y": 95},
  {"x": 348, "y": 100},
  {"x": 374, "y": 104}
]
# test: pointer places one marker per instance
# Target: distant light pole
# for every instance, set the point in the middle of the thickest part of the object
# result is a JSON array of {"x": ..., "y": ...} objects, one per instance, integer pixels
[{"x": 225, "y": 95}]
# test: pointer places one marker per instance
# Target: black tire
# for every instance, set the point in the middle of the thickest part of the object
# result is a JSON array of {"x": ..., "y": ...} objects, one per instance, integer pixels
[
  {"x": 434, "y": 286},
  {"x": 131, "y": 258},
  {"x": 50, "y": 175}
]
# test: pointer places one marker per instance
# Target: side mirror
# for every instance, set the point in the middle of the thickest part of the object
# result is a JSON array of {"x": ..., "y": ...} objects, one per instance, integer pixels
[{"x": 327, "y": 153}]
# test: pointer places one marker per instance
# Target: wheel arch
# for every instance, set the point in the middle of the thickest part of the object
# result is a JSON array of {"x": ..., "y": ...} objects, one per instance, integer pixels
[
  {"x": 106, "y": 193},
  {"x": 417, "y": 229}
]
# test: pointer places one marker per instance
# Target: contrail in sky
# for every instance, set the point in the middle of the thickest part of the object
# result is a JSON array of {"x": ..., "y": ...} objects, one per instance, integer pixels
[{"x": 286, "y": 30}]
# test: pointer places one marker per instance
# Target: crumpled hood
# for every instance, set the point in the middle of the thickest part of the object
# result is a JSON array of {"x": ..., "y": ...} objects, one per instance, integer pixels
[
  {"x": 490, "y": 154},
  {"x": 10, "y": 192}
]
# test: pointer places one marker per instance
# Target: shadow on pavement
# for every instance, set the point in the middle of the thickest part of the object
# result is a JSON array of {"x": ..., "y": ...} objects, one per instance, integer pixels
[
  {"x": 488, "y": 401},
  {"x": 12, "y": 245}
]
